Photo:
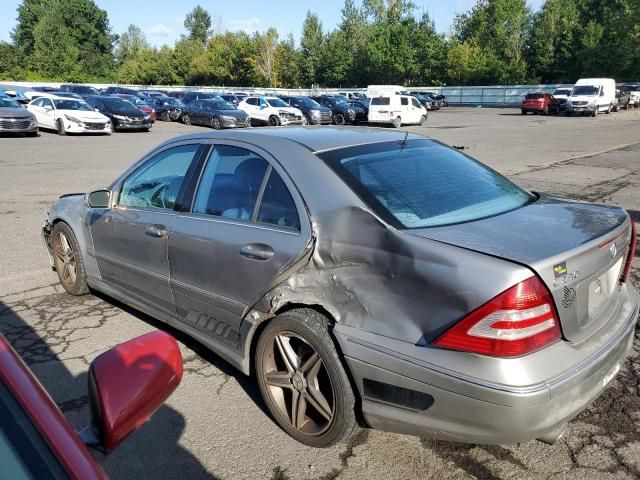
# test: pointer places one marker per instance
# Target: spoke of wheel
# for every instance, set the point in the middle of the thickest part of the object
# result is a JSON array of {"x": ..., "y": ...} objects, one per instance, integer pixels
[
  {"x": 60, "y": 254},
  {"x": 310, "y": 362},
  {"x": 72, "y": 273},
  {"x": 65, "y": 244},
  {"x": 278, "y": 379},
  {"x": 289, "y": 357},
  {"x": 316, "y": 397},
  {"x": 298, "y": 409}
]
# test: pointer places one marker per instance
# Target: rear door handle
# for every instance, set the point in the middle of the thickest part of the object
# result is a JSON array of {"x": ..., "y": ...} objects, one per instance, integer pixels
[
  {"x": 156, "y": 231},
  {"x": 257, "y": 251}
]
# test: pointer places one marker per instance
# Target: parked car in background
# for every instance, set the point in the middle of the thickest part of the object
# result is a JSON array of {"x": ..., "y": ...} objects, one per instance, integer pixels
[
  {"x": 426, "y": 100},
  {"x": 215, "y": 113},
  {"x": 361, "y": 110},
  {"x": 123, "y": 114},
  {"x": 342, "y": 113},
  {"x": 16, "y": 119},
  {"x": 192, "y": 96},
  {"x": 540, "y": 102},
  {"x": 140, "y": 104},
  {"x": 623, "y": 99},
  {"x": 592, "y": 96},
  {"x": 127, "y": 384},
  {"x": 82, "y": 90},
  {"x": 167, "y": 108},
  {"x": 366, "y": 274},
  {"x": 153, "y": 93},
  {"x": 271, "y": 111},
  {"x": 67, "y": 95},
  {"x": 232, "y": 98},
  {"x": 115, "y": 90},
  {"x": 561, "y": 95},
  {"x": 634, "y": 92},
  {"x": 385, "y": 90},
  {"x": 397, "y": 110},
  {"x": 353, "y": 95},
  {"x": 313, "y": 113},
  {"x": 68, "y": 115}
]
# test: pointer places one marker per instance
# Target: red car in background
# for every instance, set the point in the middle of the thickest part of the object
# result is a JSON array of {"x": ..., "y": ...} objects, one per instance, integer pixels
[
  {"x": 127, "y": 384},
  {"x": 540, "y": 102},
  {"x": 140, "y": 104}
]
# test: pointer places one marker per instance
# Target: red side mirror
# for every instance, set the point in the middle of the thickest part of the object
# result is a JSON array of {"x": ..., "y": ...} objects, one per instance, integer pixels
[{"x": 127, "y": 384}]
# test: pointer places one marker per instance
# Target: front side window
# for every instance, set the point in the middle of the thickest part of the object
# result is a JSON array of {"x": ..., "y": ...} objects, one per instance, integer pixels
[
  {"x": 415, "y": 103},
  {"x": 421, "y": 183},
  {"x": 230, "y": 183},
  {"x": 157, "y": 182}
]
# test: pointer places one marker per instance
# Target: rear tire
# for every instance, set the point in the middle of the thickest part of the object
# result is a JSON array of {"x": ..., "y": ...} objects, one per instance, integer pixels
[
  {"x": 68, "y": 260},
  {"x": 313, "y": 379},
  {"x": 397, "y": 122}
]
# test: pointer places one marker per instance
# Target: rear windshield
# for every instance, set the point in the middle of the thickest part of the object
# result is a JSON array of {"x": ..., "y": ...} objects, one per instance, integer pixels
[
  {"x": 533, "y": 96},
  {"x": 424, "y": 183},
  {"x": 380, "y": 101}
]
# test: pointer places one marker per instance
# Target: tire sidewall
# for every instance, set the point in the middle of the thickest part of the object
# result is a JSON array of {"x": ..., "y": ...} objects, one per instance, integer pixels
[{"x": 343, "y": 421}]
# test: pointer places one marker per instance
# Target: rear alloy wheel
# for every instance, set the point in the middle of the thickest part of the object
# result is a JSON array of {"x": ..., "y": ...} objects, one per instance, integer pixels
[
  {"x": 274, "y": 121},
  {"x": 423, "y": 120},
  {"x": 164, "y": 116},
  {"x": 215, "y": 123},
  {"x": 186, "y": 119},
  {"x": 397, "y": 122},
  {"x": 302, "y": 380},
  {"x": 339, "y": 119},
  {"x": 60, "y": 127},
  {"x": 68, "y": 260}
]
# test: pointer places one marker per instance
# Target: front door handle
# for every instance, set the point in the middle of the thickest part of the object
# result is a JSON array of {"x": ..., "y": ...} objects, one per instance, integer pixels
[
  {"x": 257, "y": 251},
  {"x": 156, "y": 231}
]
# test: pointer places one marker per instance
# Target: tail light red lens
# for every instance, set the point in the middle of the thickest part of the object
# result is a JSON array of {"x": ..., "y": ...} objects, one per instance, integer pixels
[
  {"x": 632, "y": 251},
  {"x": 519, "y": 321}
]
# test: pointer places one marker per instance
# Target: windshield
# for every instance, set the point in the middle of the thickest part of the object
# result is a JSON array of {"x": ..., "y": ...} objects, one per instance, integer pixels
[
  {"x": 563, "y": 91},
  {"x": 86, "y": 90},
  {"x": 422, "y": 183},
  {"x": 136, "y": 100},
  {"x": 585, "y": 90},
  {"x": 219, "y": 105},
  {"x": 308, "y": 102},
  {"x": 121, "y": 107},
  {"x": 276, "y": 102},
  {"x": 340, "y": 101},
  {"x": 169, "y": 101},
  {"x": 71, "y": 105},
  {"x": 7, "y": 102},
  {"x": 633, "y": 88}
]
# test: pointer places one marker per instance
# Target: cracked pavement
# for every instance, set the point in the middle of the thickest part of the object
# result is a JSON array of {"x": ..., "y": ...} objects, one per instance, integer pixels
[{"x": 215, "y": 425}]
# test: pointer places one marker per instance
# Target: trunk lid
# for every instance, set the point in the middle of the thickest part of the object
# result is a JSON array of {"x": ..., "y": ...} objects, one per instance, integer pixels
[{"x": 577, "y": 249}]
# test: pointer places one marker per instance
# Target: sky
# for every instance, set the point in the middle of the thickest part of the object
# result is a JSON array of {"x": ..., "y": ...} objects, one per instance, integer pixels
[{"x": 162, "y": 20}]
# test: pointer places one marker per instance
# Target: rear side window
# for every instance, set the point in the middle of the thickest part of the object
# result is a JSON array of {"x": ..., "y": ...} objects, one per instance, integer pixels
[
  {"x": 421, "y": 183},
  {"x": 380, "y": 101},
  {"x": 230, "y": 183},
  {"x": 404, "y": 101},
  {"x": 277, "y": 206}
]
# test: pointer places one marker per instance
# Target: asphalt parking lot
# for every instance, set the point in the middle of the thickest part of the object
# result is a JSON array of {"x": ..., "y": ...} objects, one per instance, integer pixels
[{"x": 215, "y": 426}]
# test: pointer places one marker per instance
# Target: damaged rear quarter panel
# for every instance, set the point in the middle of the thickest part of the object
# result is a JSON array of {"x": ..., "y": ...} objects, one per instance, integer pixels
[{"x": 373, "y": 277}]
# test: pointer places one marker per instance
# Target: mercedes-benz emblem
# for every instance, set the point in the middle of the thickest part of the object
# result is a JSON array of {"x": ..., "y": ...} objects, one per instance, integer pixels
[{"x": 613, "y": 250}]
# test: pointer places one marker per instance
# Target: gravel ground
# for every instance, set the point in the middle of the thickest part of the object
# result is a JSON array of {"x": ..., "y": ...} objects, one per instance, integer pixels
[{"x": 215, "y": 426}]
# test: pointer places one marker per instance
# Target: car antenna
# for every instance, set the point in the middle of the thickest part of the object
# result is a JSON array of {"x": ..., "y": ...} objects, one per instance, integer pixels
[{"x": 404, "y": 142}]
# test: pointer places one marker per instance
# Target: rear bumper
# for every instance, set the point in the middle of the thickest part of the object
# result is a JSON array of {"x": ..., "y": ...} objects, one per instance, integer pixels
[{"x": 470, "y": 409}]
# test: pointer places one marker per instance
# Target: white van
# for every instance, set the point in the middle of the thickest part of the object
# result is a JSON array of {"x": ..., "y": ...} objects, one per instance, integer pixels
[
  {"x": 397, "y": 110},
  {"x": 592, "y": 96},
  {"x": 382, "y": 90}
]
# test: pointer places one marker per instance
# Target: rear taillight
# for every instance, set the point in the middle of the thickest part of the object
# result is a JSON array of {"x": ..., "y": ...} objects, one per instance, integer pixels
[
  {"x": 632, "y": 251},
  {"x": 520, "y": 320}
]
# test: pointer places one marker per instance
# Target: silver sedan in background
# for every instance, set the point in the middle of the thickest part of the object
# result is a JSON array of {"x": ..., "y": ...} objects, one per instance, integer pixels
[
  {"x": 16, "y": 119},
  {"x": 366, "y": 278}
]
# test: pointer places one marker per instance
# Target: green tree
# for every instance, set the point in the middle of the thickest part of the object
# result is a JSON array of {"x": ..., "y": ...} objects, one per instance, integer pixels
[
  {"x": 130, "y": 44},
  {"x": 9, "y": 69},
  {"x": 311, "y": 50},
  {"x": 198, "y": 25},
  {"x": 467, "y": 64},
  {"x": 29, "y": 13},
  {"x": 288, "y": 63},
  {"x": 55, "y": 55}
]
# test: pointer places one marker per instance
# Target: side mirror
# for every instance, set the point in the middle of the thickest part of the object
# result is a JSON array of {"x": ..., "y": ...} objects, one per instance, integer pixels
[
  {"x": 127, "y": 384},
  {"x": 99, "y": 199},
  {"x": 97, "y": 109}
]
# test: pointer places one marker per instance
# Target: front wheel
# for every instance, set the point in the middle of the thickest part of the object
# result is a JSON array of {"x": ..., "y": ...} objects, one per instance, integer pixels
[
  {"x": 68, "y": 260},
  {"x": 274, "y": 121},
  {"x": 186, "y": 119},
  {"x": 339, "y": 119},
  {"x": 60, "y": 127},
  {"x": 164, "y": 116},
  {"x": 595, "y": 112},
  {"x": 305, "y": 119},
  {"x": 302, "y": 380},
  {"x": 215, "y": 123},
  {"x": 423, "y": 120}
]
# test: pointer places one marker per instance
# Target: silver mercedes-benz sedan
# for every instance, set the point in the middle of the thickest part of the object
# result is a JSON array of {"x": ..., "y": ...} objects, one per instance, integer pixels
[{"x": 366, "y": 277}]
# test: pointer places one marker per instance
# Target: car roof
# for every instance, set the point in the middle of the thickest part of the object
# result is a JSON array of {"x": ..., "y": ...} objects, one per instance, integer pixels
[{"x": 313, "y": 139}]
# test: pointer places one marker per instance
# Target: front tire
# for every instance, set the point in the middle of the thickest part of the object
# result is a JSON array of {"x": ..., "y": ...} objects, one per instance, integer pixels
[
  {"x": 305, "y": 119},
  {"x": 215, "y": 123},
  {"x": 423, "y": 120},
  {"x": 186, "y": 119},
  {"x": 60, "y": 127},
  {"x": 274, "y": 121},
  {"x": 302, "y": 380},
  {"x": 68, "y": 260},
  {"x": 339, "y": 119},
  {"x": 164, "y": 116}
]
